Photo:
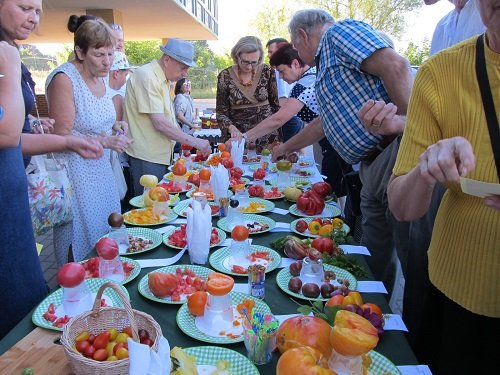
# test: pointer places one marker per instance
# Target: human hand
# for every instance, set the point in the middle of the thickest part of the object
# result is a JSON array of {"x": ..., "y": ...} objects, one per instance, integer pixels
[
  {"x": 116, "y": 142},
  {"x": 47, "y": 124},
  {"x": 88, "y": 148},
  {"x": 278, "y": 151},
  {"x": 447, "y": 160},
  {"x": 120, "y": 127},
  {"x": 204, "y": 146},
  {"x": 493, "y": 202},
  {"x": 235, "y": 132},
  {"x": 380, "y": 118}
]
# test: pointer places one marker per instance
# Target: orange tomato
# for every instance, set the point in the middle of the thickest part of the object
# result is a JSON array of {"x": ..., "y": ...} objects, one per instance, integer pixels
[
  {"x": 240, "y": 233},
  {"x": 336, "y": 300},
  {"x": 219, "y": 284},
  {"x": 352, "y": 334},
  {"x": 196, "y": 303},
  {"x": 303, "y": 360},
  {"x": 179, "y": 169},
  {"x": 373, "y": 308},
  {"x": 222, "y": 147},
  {"x": 205, "y": 174},
  {"x": 225, "y": 154},
  {"x": 158, "y": 194}
]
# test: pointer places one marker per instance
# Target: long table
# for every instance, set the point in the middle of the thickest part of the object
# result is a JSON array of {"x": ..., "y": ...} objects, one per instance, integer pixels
[{"x": 393, "y": 344}]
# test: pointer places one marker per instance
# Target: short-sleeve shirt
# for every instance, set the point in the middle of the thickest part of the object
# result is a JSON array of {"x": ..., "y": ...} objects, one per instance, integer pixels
[
  {"x": 342, "y": 87},
  {"x": 147, "y": 93},
  {"x": 304, "y": 92}
]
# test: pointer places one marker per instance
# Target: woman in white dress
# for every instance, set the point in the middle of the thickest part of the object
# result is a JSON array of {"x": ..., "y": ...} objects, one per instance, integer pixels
[
  {"x": 80, "y": 105},
  {"x": 184, "y": 106}
]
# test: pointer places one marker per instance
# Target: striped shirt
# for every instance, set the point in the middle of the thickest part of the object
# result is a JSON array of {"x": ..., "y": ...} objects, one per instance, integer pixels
[{"x": 342, "y": 88}]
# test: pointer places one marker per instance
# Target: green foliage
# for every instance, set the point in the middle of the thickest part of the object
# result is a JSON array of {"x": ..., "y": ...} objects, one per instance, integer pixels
[
  {"x": 63, "y": 55},
  {"x": 417, "y": 54},
  {"x": 34, "y": 59},
  {"x": 142, "y": 52}
]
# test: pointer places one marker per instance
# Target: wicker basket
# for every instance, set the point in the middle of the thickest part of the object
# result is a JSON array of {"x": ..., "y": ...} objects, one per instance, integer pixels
[{"x": 98, "y": 320}]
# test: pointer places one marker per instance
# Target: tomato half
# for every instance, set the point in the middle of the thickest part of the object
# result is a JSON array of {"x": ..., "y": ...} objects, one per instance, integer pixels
[{"x": 219, "y": 284}]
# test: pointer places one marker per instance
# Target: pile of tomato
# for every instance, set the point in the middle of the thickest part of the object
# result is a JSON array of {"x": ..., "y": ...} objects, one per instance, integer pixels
[
  {"x": 178, "y": 238},
  {"x": 173, "y": 186},
  {"x": 92, "y": 268}
]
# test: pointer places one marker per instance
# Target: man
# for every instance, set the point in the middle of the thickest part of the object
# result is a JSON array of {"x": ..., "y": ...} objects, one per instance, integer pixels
[
  {"x": 294, "y": 125},
  {"x": 150, "y": 114},
  {"x": 118, "y": 35},
  {"x": 354, "y": 65}
]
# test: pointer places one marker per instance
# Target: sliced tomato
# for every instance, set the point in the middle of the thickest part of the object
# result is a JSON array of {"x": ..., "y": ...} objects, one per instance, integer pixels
[{"x": 219, "y": 284}]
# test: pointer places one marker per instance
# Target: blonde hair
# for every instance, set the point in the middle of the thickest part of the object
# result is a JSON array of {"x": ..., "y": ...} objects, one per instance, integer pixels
[
  {"x": 93, "y": 33},
  {"x": 247, "y": 44}
]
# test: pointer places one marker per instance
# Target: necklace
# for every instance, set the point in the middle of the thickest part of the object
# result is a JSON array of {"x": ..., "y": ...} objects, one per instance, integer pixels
[{"x": 249, "y": 83}]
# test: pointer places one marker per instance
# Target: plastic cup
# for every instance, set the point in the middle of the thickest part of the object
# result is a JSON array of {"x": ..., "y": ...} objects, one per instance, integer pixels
[
  {"x": 259, "y": 345},
  {"x": 160, "y": 209}
]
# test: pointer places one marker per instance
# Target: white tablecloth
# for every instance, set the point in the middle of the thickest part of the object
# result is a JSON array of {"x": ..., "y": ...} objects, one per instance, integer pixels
[{"x": 207, "y": 133}]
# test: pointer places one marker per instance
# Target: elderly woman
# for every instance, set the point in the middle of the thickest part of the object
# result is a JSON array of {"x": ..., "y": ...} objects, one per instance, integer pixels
[
  {"x": 246, "y": 92},
  {"x": 183, "y": 103},
  {"x": 447, "y": 137},
  {"x": 80, "y": 104}
]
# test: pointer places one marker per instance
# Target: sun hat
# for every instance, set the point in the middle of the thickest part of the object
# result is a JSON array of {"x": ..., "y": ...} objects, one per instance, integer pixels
[
  {"x": 120, "y": 62},
  {"x": 179, "y": 50}
]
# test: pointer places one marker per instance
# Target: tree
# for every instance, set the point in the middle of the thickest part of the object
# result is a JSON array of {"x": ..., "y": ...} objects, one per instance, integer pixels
[
  {"x": 416, "y": 54},
  {"x": 142, "y": 52},
  {"x": 34, "y": 59}
]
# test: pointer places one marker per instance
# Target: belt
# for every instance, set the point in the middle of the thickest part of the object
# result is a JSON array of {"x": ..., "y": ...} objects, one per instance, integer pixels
[{"x": 386, "y": 141}]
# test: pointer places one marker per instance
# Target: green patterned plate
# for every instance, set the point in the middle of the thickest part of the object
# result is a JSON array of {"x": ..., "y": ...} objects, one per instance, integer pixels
[
  {"x": 167, "y": 186},
  {"x": 146, "y": 292},
  {"x": 293, "y": 226},
  {"x": 112, "y": 299},
  {"x": 139, "y": 203},
  {"x": 220, "y": 261},
  {"x": 208, "y": 356},
  {"x": 126, "y": 216},
  {"x": 146, "y": 234},
  {"x": 381, "y": 365},
  {"x": 284, "y": 276},
  {"x": 186, "y": 321},
  {"x": 170, "y": 176},
  {"x": 272, "y": 167},
  {"x": 181, "y": 207},
  {"x": 304, "y": 163},
  {"x": 190, "y": 193},
  {"x": 169, "y": 231},
  {"x": 329, "y": 211},
  {"x": 304, "y": 173},
  {"x": 249, "y": 219},
  {"x": 131, "y": 276},
  {"x": 268, "y": 206},
  {"x": 299, "y": 182}
]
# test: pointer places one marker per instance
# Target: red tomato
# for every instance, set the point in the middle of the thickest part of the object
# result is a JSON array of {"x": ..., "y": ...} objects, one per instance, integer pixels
[
  {"x": 102, "y": 340},
  {"x": 205, "y": 174},
  {"x": 310, "y": 203},
  {"x": 89, "y": 352},
  {"x": 323, "y": 245},
  {"x": 239, "y": 233},
  {"x": 100, "y": 355},
  {"x": 322, "y": 188},
  {"x": 179, "y": 169},
  {"x": 119, "y": 345},
  {"x": 256, "y": 191},
  {"x": 259, "y": 174},
  {"x": 227, "y": 163},
  {"x": 194, "y": 179},
  {"x": 71, "y": 274},
  {"x": 301, "y": 226},
  {"x": 162, "y": 284},
  {"x": 236, "y": 172},
  {"x": 185, "y": 147},
  {"x": 107, "y": 248},
  {"x": 82, "y": 346}
]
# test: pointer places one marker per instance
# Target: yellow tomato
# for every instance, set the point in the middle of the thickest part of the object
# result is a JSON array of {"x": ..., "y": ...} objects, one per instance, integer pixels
[
  {"x": 121, "y": 353},
  {"x": 337, "y": 222},
  {"x": 109, "y": 348},
  {"x": 122, "y": 337},
  {"x": 314, "y": 227},
  {"x": 326, "y": 230},
  {"x": 113, "y": 332},
  {"x": 112, "y": 358},
  {"x": 82, "y": 336}
]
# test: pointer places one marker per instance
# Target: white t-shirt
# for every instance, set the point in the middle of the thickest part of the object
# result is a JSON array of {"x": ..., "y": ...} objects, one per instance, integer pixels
[
  {"x": 283, "y": 87},
  {"x": 455, "y": 27}
]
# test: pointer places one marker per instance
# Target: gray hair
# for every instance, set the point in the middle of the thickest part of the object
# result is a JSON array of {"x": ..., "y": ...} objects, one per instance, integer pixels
[
  {"x": 309, "y": 20},
  {"x": 247, "y": 44}
]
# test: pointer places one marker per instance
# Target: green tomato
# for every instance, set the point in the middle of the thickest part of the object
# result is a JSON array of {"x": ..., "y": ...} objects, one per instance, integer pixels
[{"x": 28, "y": 371}]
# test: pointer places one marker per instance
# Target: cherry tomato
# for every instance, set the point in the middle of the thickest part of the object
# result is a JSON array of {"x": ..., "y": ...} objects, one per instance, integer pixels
[{"x": 100, "y": 355}]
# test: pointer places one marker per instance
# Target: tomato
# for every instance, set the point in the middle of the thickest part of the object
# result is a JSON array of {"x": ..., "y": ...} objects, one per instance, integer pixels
[
  {"x": 301, "y": 226},
  {"x": 259, "y": 174},
  {"x": 158, "y": 194},
  {"x": 322, "y": 188},
  {"x": 196, "y": 303},
  {"x": 236, "y": 172},
  {"x": 89, "y": 352},
  {"x": 101, "y": 340},
  {"x": 119, "y": 345},
  {"x": 239, "y": 233},
  {"x": 323, "y": 245},
  {"x": 115, "y": 220},
  {"x": 185, "y": 147},
  {"x": 147, "y": 341},
  {"x": 107, "y": 248},
  {"x": 227, "y": 163},
  {"x": 310, "y": 203},
  {"x": 304, "y": 331},
  {"x": 71, "y": 274},
  {"x": 205, "y": 174},
  {"x": 194, "y": 179},
  {"x": 222, "y": 147},
  {"x": 336, "y": 300},
  {"x": 162, "y": 284},
  {"x": 100, "y": 355},
  {"x": 256, "y": 191},
  {"x": 82, "y": 336},
  {"x": 113, "y": 332},
  {"x": 303, "y": 360},
  {"x": 373, "y": 308},
  {"x": 122, "y": 353},
  {"x": 225, "y": 155},
  {"x": 82, "y": 346},
  {"x": 219, "y": 284},
  {"x": 353, "y": 298},
  {"x": 179, "y": 169},
  {"x": 128, "y": 331},
  {"x": 352, "y": 334}
]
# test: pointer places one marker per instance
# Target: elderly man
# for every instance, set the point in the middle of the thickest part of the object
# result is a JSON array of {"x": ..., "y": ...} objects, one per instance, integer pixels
[
  {"x": 150, "y": 114},
  {"x": 356, "y": 64}
]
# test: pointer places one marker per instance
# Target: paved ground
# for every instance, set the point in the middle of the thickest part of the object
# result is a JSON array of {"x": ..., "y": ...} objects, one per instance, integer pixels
[{"x": 48, "y": 259}]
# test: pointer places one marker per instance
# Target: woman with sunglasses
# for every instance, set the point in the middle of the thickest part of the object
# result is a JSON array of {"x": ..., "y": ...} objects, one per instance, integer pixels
[{"x": 247, "y": 92}]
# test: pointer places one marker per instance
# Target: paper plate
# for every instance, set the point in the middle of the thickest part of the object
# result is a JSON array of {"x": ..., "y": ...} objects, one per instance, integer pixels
[
  {"x": 304, "y": 163},
  {"x": 146, "y": 292},
  {"x": 169, "y": 231},
  {"x": 210, "y": 355},
  {"x": 304, "y": 173},
  {"x": 170, "y": 176},
  {"x": 329, "y": 211},
  {"x": 268, "y": 206},
  {"x": 56, "y": 298},
  {"x": 190, "y": 193},
  {"x": 249, "y": 218},
  {"x": 144, "y": 233},
  {"x": 171, "y": 216},
  {"x": 284, "y": 276},
  {"x": 181, "y": 208},
  {"x": 293, "y": 224},
  {"x": 139, "y": 203},
  {"x": 268, "y": 188},
  {"x": 294, "y": 181},
  {"x": 186, "y": 321},
  {"x": 132, "y": 275},
  {"x": 219, "y": 259},
  {"x": 381, "y": 365},
  {"x": 272, "y": 167},
  {"x": 187, "y": 187}
]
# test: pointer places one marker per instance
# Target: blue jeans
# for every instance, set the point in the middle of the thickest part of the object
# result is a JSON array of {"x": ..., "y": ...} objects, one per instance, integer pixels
[{"x": 291, "y": 127}]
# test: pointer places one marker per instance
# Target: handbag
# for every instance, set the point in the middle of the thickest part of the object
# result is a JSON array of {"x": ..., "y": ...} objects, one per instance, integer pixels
[
  {"x": 49, "y": 193},
  {"x": 118, "y": 172}
]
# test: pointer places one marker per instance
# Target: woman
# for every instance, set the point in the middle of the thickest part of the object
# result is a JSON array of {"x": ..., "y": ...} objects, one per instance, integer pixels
[
  {"x": 80, "y": 104},
  {"x": 447, "y": 137},
  {"x": 184, "y": 107},
  {"x": 22, "y": 284},
  {"x": 246, "y": 92}
]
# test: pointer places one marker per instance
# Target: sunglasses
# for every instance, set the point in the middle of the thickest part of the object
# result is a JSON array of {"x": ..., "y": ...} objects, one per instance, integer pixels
[{"x": 115, "y": 26}]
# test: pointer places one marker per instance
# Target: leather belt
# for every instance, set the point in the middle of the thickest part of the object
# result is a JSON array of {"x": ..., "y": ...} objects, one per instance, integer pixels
[{"x": 386, "y": 141}]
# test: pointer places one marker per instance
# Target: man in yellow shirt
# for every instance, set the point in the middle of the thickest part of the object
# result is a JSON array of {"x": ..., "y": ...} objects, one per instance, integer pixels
[{"x": 150, "y": 114}]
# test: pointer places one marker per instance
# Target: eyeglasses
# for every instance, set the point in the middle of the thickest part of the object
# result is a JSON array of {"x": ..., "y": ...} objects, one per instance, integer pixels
[
  {"x": 245, "y": 62},
  {"x": 115, "y": 26}
]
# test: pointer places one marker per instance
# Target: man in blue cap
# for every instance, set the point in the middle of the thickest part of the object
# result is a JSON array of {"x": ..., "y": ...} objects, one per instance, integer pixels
[{"x": 150, "y": 114}]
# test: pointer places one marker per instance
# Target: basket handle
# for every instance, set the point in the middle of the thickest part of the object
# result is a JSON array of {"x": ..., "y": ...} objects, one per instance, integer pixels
[{"x": 126, "y": 305}]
